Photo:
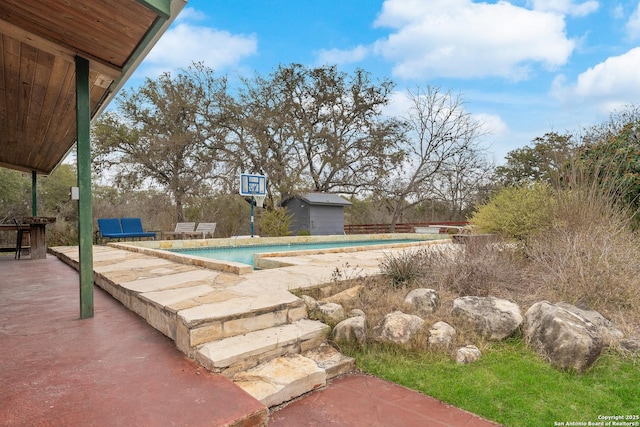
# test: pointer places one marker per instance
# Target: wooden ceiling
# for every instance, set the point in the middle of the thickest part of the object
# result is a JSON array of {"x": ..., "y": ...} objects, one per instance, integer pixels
[{"x": 39, "y": 40}]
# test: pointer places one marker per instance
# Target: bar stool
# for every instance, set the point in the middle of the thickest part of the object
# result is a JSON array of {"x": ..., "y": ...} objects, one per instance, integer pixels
[{"x": 22, "y": 231}]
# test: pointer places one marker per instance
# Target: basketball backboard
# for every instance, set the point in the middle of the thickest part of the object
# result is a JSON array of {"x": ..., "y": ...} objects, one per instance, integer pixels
[{"x": 253, "y": 185}]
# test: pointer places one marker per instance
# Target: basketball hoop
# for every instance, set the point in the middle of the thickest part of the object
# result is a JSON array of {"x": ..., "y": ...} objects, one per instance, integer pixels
[
  {"x": 254, "y": 186},
  {"x": 259, "y": 198}
]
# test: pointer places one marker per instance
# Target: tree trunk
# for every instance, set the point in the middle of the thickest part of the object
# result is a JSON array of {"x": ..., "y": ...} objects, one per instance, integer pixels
[
  {"x": 397, "y": 210},
  {"x": 179, "y": 209}
]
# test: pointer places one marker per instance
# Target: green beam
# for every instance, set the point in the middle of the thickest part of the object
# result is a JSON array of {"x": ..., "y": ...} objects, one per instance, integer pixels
[
  {"x": 34, "y": 193},
  {"x": 85, "y": 215},
  {"x": 148, "y": 38},
  {"x": 161, "y": 7}
]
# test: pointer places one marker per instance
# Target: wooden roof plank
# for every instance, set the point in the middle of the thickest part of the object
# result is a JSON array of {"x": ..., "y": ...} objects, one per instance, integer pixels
[
  {"x": 89, "y": 26},
  {"x": 12, "y": 66},
  {"x": 40, "y": 40},
  {"x": 3, "y": 88},
  {"x": 69, "y": 54},
  {"x": 41, "y": 108},
  {"x": 65, "y": 117}
]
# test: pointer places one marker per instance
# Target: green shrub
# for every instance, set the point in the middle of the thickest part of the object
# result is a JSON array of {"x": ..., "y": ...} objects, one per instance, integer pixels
[
  {"x": 516, "y": 212},
  {"x": 275, "y": 223}
]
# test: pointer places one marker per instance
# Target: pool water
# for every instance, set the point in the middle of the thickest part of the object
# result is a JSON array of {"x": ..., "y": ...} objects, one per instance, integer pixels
[{"x": 244, "y": 254}]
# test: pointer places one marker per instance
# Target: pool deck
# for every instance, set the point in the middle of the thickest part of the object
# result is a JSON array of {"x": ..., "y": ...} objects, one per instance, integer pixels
[
  {"x": 379, "y": 243},
  {"x": 60, "y": 356}
]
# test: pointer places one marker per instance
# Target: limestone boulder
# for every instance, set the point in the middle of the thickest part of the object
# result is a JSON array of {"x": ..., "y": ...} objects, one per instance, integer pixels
[
  {"x": 567, "y": 339},
  {"x": 310, "y": 302},
  {"x": 353, "y": 329},
  {"x": 356, "y": 312},
  {"x": 611, "y": 335},
  {"x": 492, "y": 318},
  {"x": 422, "y": 301},
  {"x": 632, "y": 345},
  {"x": 329, "y": 312},
  {"x": 398, "y": 328},
  {"x": 442, "y": 337},
  {"x": 468, "y": 354},
  {"x": 346, "y": 297}
]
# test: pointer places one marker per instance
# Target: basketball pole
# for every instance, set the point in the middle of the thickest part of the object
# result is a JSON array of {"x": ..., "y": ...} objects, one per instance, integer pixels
[
  {"x": 253, "y": 186},
  {"x": 251, "y": 215}
]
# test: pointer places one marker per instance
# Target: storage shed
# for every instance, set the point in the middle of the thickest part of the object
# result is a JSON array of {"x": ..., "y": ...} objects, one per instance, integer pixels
[{"x": 317, "y": 213}]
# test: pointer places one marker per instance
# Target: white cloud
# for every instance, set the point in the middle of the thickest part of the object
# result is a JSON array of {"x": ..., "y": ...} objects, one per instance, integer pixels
[
  {"x": 633, "y": 24},
  {"x": 607, "y": 85},
  {"x": 338, "y": 56},
  {"x": 566, "y": 7},
  {"x": 190, "y": 14},
  {"x": 399, "y": 104},
  {"x": 184, "y": 44},
  {"x": 492, "y": 124},
  {"x": 618, "y": 12},
  {"x": 459, "y": 38}
]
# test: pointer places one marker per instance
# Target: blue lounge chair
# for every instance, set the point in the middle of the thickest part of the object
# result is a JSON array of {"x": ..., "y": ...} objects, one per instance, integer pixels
[
  {"x": 125, "y": 228},
  {"x": 132, "y": 227},
  {"x": 110, "y": 228}
]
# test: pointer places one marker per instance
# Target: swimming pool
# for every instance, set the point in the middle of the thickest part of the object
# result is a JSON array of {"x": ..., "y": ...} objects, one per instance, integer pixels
[
  {"x": 245, "y": 254},
  {"x": 192, "y": 251}
]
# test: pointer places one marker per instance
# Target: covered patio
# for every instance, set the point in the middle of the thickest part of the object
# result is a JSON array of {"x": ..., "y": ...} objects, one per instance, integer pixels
[
  {"x": 116, "y": 370},
  {"x": 113, "y": 369},
  {"x": 61, "y": 65}
]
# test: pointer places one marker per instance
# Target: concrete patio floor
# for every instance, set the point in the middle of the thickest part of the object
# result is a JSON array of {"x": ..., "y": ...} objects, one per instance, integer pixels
[{"x": 114, "y": 369}]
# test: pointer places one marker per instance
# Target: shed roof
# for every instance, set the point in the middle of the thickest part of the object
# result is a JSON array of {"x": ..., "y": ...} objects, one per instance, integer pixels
[
  {"x": 39, "y": 40},
  {"x": 325, "y": 199}
]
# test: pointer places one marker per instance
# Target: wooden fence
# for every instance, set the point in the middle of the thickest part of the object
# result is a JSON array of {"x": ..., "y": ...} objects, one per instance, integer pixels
[{"x": 405, "y": 227}]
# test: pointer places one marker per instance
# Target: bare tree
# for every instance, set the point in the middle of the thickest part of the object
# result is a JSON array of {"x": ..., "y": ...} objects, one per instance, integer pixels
[
  {"x": 161, "y": 135},
  {"x": 259, "y": 135},
  {"x": 442, "y": 141},
  {"x": 314, "y": 129},
  {"x": 461, "y": 183}
]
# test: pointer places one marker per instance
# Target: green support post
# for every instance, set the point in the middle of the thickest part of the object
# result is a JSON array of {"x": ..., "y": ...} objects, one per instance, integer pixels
[
  {"x": 34, "y": 193},
  {"x": 85, "y": 215}
]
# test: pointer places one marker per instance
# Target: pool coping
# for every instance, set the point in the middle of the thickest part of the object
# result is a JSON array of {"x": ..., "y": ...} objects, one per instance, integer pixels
[{"x": 161, "y": 248}]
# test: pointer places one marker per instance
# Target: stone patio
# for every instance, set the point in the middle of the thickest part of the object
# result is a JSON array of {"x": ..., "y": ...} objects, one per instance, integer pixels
[{"x": 234, "y": 324}]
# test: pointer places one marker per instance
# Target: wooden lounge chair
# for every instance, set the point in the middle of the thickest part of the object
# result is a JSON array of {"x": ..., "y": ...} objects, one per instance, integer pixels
[
  {"x": 203, "y": 229},
  {"x": 181, "y": 229}
]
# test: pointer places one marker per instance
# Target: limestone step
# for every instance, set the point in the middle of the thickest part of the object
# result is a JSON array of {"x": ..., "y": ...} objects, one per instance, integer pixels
[
  {"x": 331, "y": 360},
  {"x": 287, "y": 377},
  {"x": 281, "y": 379},
  {"x": 242, "y": 352},
  {"x": 235, "y": 316}
]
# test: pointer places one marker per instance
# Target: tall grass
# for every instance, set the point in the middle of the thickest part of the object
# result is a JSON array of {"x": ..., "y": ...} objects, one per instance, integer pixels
[
  {"x": 587, "y": 253},
  {"x": 591, "y": 254}
]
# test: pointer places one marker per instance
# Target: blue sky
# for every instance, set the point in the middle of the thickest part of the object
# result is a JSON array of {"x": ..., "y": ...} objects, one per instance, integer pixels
[{"x": 523, "y": 67}]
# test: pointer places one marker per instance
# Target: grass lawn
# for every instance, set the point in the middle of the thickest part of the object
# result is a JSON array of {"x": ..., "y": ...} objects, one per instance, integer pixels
[{"x": 512, "y": 385}]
